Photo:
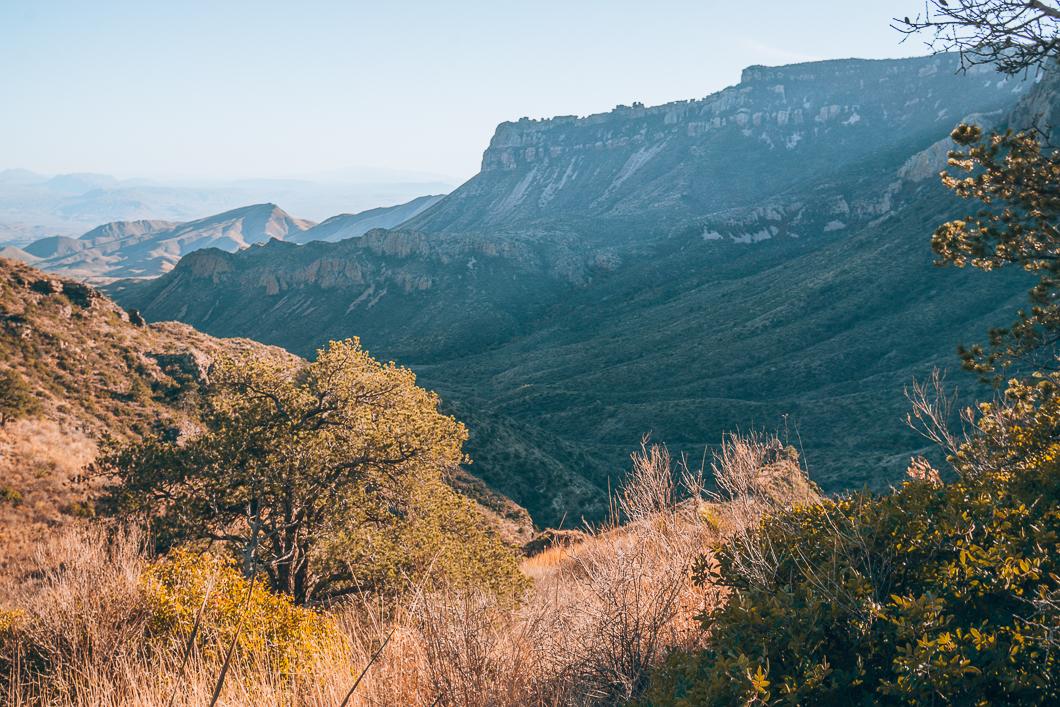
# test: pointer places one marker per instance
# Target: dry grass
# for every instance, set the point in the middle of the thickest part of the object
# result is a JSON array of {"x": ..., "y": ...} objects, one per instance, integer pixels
[
  {"x": 601, "y": 613},
  {"x": 40, "y": 461}
]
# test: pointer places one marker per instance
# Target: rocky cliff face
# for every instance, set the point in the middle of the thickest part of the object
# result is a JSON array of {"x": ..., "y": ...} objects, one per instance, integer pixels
[
  {"x": 777, "y": 128},
  {"x": 432, "y": 285}
]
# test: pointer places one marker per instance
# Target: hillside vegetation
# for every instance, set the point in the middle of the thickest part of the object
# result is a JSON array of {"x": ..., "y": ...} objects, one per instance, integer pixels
[
  {"x": 90, "y": 370},
  {"x": 98, "y": 620},
  {"x": 86, "y": 370}
]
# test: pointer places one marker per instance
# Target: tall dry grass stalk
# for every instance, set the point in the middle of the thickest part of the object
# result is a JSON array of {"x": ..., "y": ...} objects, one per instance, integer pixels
[
  {"x": 756, "y": 475},
  {"x": 600, "y": 614}
]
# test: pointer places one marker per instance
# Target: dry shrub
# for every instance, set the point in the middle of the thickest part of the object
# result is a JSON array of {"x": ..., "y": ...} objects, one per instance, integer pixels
[
  {"x": 80, "y": 611},
  {"x": 482, "y": 652},
  {"x": 756, "y": 475}
]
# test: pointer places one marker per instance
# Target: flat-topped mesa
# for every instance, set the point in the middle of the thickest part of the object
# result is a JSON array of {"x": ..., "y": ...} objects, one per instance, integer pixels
[
  {"x": 778, "y": 127},
  {"x": 796, "y": 94}
]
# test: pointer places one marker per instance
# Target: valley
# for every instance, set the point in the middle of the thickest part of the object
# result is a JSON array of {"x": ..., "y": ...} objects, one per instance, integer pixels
[{"x": 759, "y": 258}]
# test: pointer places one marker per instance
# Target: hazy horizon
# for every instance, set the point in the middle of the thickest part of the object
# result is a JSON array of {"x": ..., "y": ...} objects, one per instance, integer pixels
[{"x": 274, "y": 91}]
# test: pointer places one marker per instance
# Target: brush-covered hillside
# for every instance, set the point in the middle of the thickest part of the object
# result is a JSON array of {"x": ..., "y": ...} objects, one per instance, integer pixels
[
  {"x": 77, "y": 368},
  {"x": 85, "y": 369}
]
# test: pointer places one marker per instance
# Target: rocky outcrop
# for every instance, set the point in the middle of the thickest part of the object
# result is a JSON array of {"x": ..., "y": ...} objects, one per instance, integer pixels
[
  {"x": 190, "y": 365},
  {"x": 778, "y": 127}
]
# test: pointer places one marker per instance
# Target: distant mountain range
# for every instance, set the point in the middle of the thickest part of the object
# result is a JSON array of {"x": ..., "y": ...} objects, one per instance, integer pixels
[
  {"x": 760, "y": 257},
  {"x": 148, "y": 248},
  {"x": 345, "y": 226},
  {"x": 33, "y": 206}
]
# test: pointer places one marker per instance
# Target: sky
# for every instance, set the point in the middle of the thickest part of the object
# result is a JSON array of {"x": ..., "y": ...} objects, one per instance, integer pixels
[{"x": 229, "y": 89}]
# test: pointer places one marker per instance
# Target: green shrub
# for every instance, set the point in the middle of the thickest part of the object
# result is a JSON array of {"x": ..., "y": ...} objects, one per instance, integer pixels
[
  {"x": 442, "y": 539},
  {"x": 10, "y": 494},
  {"x": 931, "y": 594}
]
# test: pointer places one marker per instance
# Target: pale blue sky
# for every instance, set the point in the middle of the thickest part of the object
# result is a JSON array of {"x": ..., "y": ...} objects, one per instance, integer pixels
[{"x": 240, "y": 88}]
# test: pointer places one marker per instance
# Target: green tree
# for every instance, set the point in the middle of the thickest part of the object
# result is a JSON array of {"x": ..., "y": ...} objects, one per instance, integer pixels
[
  {"x": 1017, "y": 185},
  {"x": 16, "y": 397},
  {"x": 1013, "y": 176},
  {"x": 292, "y": 457}
]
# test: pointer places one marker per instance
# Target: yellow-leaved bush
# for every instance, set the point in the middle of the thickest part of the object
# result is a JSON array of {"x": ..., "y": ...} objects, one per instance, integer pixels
[{"x": 190, "y": 591}]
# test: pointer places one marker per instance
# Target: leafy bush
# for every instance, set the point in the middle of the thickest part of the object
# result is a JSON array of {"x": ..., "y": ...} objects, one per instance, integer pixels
[
  {"x": 933, "y": 590},
  {"x": 440, "y": 541},
  {"x": 187, "y": 591}
]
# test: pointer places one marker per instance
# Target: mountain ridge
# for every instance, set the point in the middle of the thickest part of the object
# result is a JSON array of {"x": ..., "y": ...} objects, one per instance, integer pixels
[
  {"x": 343, "y": 226},
  {"x": 150, "y": 247},
  {"x": 786, "y": 124},
  {"x": 145, "y": 248}
]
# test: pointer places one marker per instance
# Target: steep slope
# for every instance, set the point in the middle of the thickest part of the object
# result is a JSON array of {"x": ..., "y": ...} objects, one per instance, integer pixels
[
  {"x": 147, "y": 248},
  {"x": 778, "y": 128},
  {"x": 736, "y": 282},
  {"x": 345, "y": 226},
  {"x": 93, "y": 372}
]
